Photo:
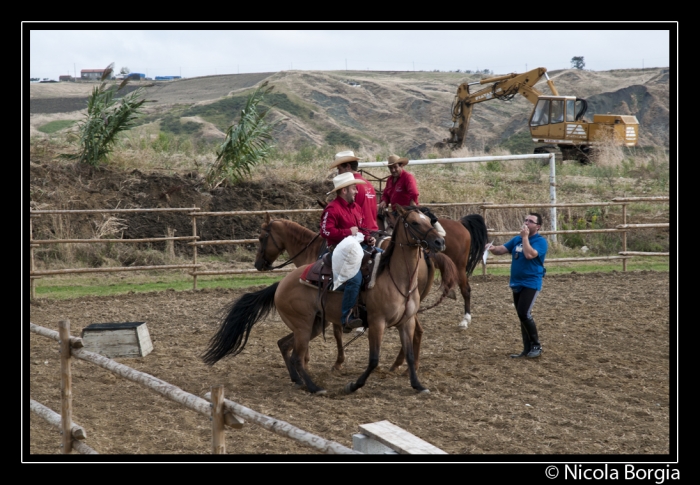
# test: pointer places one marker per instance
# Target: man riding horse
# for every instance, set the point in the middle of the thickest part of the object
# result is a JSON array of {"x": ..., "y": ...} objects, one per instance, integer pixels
[{"x": 342, "y": 218}]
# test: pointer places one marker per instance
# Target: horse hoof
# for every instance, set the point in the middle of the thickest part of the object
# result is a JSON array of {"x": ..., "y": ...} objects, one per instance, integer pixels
[
  {"x": 348, "y": 387},
  {"x": 424, "y": 391},
  {"x": 320, "y": 392},
  {"x": 463, "y": 325}
]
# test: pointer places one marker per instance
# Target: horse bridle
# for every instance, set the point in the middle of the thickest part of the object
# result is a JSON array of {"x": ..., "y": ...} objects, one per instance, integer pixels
[
  {"x": 416, "y": 235},
  {"x": 263, "y": 246}
]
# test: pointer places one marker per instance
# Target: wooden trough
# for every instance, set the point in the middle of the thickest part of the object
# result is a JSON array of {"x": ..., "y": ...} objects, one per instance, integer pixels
[{"x": 128, "y": 339}]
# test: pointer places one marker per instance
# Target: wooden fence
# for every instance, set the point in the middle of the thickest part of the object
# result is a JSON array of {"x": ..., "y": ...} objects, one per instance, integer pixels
[
  {"x": 221, "y": 411},
  {"x": 195, "y": 242}
]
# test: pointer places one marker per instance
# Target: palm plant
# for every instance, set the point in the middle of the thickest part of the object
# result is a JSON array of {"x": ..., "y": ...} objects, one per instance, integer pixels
[
  {"x": 246, "y": 144},
  {"x": 106, "y": 118}
]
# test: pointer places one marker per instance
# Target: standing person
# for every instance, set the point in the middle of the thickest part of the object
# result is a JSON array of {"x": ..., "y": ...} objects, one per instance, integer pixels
[
  {"x": 342, "y": 218},
  {"x": 528, "y": 251},
  {"x": 366, "y": 197}
]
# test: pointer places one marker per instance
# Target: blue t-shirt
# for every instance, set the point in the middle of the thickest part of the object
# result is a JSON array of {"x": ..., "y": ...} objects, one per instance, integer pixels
[{"x": 527, "y": 272}]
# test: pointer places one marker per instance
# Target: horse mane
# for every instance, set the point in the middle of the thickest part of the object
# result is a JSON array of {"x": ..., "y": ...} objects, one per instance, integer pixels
[
  {"x": 296, "y": 232},
  {"x": 386, "y": 255}
]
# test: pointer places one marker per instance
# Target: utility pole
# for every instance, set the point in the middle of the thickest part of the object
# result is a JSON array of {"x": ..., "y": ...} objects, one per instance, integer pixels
[{"x": 346, "y": 63}]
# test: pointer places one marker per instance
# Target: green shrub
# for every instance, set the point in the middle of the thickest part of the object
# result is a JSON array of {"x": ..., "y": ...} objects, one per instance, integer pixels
[{"x": 339, "y": 138}]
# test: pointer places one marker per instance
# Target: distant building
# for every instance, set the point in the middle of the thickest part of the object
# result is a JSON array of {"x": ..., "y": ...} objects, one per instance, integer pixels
[
  {"x": 92, "y": 74},
  {"x": 167, "y": 78},
  {"x": 66, "y": 77},
  {"x": 136, "y": 76}
]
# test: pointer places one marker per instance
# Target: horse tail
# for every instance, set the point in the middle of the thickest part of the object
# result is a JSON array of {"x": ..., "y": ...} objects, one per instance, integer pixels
[
  {"x": 476, "y": 226},
  {"x": 448, "y": 275},
  {"x": 239, "y": 317}
]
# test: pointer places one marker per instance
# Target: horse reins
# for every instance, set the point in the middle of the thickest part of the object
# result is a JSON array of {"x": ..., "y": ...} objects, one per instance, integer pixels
[
  {"x": 267, "y": 232},
  {"x": 420, "y": 242}
]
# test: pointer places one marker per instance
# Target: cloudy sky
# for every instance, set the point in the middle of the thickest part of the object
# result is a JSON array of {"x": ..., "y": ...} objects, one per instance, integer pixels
[{"x": 242, "y": 49}]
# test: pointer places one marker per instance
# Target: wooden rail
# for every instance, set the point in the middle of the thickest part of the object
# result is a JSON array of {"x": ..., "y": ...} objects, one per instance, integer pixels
[{"x": 195, "y": 242}]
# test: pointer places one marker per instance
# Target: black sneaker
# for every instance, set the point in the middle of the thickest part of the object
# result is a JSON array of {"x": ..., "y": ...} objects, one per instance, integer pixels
[
  {"x": 353, "y": 322},
  {"x": 536, "y": 351}
]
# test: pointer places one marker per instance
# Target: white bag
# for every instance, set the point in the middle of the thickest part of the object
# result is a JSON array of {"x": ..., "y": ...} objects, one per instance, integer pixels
[{"x": 347, "y": 259}]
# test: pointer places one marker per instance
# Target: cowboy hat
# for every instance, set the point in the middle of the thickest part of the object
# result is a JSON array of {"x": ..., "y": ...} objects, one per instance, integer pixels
[
  {"x": 343, "y": 157},
  {"x": 343, "y": 180},
  {"x": 393, "y": 160}
]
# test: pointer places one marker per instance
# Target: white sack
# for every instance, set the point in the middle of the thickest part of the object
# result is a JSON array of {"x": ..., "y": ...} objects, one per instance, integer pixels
[{"x": 347, "y": 259}]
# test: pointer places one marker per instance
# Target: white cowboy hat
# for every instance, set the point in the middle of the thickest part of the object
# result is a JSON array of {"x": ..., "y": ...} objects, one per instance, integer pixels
[
  {"x": 393, "y": 160},
  {"x": 343, "y": 157},
  {"x": 343, "y": 180}
]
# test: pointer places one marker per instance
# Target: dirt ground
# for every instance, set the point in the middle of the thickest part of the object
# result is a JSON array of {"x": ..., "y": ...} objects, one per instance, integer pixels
[{"x": 601, "y": 387}]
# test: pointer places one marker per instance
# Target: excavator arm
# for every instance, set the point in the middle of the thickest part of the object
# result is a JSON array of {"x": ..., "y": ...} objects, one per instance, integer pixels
[{"x": 501, "y": 87}]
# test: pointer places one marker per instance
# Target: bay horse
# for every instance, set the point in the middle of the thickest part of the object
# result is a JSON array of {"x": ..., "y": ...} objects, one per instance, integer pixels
[
  {"x": 305, "y": 246},
  {"x": 392, "y": 302},
  {"x": 465, "y": 241}
]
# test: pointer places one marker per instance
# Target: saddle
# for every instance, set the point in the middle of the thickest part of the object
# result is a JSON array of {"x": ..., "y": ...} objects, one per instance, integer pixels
[{"x": 320, "y": 273}]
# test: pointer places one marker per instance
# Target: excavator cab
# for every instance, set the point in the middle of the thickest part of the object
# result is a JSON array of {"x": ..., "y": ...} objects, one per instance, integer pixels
[{"x": 558, "y": 119}]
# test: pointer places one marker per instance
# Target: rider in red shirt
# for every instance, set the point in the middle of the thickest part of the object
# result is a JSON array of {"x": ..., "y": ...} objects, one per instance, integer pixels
[
  {"x": 366, "y": 197},
  {"x": 401, "y": 188},
  {"x": 342, "y": 218}
]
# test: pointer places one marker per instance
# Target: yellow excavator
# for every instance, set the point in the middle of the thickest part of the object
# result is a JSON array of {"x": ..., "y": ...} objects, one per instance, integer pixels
[{"x": 556, "y": 122}]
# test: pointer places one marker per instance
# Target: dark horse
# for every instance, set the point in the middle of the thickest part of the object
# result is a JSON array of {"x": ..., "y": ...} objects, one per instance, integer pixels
[
  {"x": 392, "y": 302},
  {"x": 279, "y": 235},
  {"x": 465, "y": 241}
]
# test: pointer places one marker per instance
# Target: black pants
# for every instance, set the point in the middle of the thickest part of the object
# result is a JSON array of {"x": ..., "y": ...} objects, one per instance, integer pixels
[{"x": 524, "y": 301}]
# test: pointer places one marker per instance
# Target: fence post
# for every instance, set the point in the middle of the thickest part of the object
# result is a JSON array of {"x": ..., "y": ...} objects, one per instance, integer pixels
[
  {"x": 483, "y": 214},
  {"x": 194, "y": 251},
  {"x": 218, "y": 437},
  {"x": 624, "y": 236},
  {"x": 66, "y": 387},
  {"x": 553, "y": 196}
]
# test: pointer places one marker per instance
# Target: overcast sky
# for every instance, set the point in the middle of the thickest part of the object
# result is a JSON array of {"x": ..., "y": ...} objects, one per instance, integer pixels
[{"x": 191, "y": 53}]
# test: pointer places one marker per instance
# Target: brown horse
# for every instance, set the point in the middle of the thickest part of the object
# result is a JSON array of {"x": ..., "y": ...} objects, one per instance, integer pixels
[
  {"x": 465, "y": 241},
  {"x": 279, "y": 235},
  {"x": 393, "y": 302}
]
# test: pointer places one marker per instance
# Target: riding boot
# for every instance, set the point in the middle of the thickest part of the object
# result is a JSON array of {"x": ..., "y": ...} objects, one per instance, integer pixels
[
  {"x": 535, "y": 346},
  {"x": 526, "y": 343},
  {"x": 351, "y": 290}
]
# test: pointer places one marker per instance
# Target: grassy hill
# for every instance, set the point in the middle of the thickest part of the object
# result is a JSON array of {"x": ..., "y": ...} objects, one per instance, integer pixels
[{"x": 368, "y": 111}]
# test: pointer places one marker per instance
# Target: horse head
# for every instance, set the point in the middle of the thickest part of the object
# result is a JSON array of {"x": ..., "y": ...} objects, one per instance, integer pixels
[
  {"x": 417, "y": 229},
  {"x": 269, "y": 247}
]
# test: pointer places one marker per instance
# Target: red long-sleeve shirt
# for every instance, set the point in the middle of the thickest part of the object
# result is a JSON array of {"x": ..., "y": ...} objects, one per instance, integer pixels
[
  {"x": 402, "y": 191},
  {"x": 337, "y": 219},
  {"x": 366, "y": 198}
]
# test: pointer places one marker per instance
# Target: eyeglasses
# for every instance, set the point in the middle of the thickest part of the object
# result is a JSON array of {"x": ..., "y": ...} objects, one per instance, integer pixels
[{"x": 530, "y": 220}]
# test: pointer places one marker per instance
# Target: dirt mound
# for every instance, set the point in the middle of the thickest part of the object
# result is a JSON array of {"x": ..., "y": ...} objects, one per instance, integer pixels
[{"x": 80, "y": 187}]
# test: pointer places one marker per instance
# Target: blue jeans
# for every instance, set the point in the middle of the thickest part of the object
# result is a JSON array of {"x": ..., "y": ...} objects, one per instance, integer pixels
[{"x": 351, "y": 290}]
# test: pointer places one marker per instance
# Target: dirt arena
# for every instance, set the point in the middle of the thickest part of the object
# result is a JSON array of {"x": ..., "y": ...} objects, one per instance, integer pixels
[{"x": 601, "y": 387}]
